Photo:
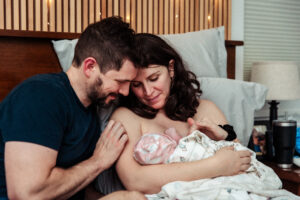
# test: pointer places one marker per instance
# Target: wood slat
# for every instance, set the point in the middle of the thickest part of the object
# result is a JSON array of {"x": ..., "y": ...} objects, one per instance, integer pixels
[
  {"x": 127, "y": 11},
  {"x": 115, "y": 7},
  {"x": 52, "y": 19},
  {"x": 177, "y": 15},
  {"x": 202, "y": 15},
  {"x": 79, "y": 16},
  {"x": 172, "y": 17},
  {"x": 144, "y": 16},
  {"x": 58, "y": 15},
  {"x": 161, "y": 17},
  {"x": 166, "y": 17},
  {"x": 8, "y": 14},
  {"x": 72, "y": 16},
  {"x": 2, "y": 14},
  {"x": 139, "y": 16},
  {"x": 133, "y": 14},
  {"x": 192, "y": 15},
  {"x": 152, "y": 16},
  {"x": 110, "y": 8},
  {"x": 98, "y": 10}
]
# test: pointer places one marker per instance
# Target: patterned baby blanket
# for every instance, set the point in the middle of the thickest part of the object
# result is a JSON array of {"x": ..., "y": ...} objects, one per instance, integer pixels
[{"x": 258, "y": 183}]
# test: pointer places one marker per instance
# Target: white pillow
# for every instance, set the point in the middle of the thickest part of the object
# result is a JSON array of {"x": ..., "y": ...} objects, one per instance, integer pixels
[
  {"x": 203, "y": 52},
  {"x": 237, "y": 99},
  {"x": 65, "y": 52}
]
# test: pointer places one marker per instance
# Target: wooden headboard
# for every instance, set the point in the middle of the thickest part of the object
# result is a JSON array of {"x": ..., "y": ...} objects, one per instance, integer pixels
[{"x": 26, "y": 53}]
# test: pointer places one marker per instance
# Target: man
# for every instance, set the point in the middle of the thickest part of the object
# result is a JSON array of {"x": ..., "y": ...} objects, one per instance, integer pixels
[{"x": 50, "y": 145}]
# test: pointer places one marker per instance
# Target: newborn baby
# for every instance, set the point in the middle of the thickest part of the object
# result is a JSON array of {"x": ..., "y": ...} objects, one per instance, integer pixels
[
  {"x": 259, "y": 182},
  {"x": 156, "y": 148}
]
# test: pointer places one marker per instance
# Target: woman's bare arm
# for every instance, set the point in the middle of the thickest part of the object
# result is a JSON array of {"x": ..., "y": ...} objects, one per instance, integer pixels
[{"x": 150, "y": 178}]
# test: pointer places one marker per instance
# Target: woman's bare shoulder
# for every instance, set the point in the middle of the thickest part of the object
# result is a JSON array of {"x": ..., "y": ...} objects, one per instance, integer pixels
[
  {"x": 208, "y": 109},
  {"x": 126, "y": 117},
  {"x": 122, "y": 112},
  {"x": 204, "y": 103}
]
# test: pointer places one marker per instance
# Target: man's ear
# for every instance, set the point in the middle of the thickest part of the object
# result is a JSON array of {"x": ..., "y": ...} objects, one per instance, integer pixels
[
  {"x": 89, "y": 66},
  {"x": 171, "y": 67}
]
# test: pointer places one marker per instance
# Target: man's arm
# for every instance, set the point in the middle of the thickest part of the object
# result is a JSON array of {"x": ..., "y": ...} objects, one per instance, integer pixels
[{"x": 31, "y": 171}]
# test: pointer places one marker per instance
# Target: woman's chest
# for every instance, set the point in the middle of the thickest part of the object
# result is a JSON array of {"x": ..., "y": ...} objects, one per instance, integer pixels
[{"x": 160, "y": 125}]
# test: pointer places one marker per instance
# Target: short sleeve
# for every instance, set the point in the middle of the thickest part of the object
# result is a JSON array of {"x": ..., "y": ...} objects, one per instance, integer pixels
[{"x": 34, "y": 113}]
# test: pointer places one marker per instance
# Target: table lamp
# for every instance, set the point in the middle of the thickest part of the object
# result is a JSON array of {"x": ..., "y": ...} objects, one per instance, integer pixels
[{"x": 282, "y": 80}]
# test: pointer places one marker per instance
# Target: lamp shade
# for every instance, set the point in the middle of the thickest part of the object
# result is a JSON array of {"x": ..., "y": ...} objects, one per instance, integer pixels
[{"x": 280, "y": 77}]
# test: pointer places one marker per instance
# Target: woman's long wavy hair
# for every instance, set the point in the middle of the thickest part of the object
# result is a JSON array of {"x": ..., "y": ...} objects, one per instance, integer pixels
[{"x": 185, "y": 89}]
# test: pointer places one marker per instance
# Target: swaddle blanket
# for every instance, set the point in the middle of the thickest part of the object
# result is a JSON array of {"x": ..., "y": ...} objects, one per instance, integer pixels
[{"x": 259, "y": 182}]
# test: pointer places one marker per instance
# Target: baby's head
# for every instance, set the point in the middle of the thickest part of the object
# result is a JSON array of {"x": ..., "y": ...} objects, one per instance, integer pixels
[{"x": 154, "y": 148}]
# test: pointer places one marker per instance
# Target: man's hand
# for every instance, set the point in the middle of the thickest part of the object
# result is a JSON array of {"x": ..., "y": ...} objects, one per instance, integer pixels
[
  {"x": 124, "y": 195},
  {"x": 110, "y": 144},
  {"x": 212, "y": 130}
]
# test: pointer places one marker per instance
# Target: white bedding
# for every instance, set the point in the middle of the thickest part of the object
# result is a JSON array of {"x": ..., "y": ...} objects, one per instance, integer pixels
[{"x": 260, "y": 182}]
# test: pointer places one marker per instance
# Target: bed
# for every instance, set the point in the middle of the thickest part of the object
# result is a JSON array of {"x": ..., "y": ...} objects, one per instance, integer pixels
[{"x": 26, "y": 53}]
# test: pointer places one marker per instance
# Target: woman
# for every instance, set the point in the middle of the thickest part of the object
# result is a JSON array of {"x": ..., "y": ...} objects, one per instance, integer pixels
[{"x": 165, "y": 95}]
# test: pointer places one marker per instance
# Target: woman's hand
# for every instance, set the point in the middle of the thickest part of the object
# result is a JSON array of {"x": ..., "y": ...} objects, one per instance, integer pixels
[
  {"x": 212, "y": 130},
  {"x": 233, "y": 162}
]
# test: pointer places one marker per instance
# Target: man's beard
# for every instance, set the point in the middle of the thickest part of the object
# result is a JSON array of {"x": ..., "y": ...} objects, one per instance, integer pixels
[{"x": 97, "y": 98}]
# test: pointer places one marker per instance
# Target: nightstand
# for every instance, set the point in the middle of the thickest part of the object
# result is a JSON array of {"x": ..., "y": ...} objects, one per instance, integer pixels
[{"x": 290, "y": 177}]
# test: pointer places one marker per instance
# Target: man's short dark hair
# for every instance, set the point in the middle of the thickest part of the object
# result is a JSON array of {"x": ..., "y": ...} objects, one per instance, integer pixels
[{"x": 109, "y": 41}]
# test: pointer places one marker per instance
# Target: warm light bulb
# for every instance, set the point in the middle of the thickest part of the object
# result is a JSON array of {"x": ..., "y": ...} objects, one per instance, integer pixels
[
  {"x": 208, "y": 17},
  {"x": 128, "y": 18}
]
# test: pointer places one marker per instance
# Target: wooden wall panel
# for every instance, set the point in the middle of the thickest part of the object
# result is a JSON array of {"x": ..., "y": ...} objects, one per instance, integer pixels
[
  {"x": 72, "y": 15},
  {"x": 52, "y": 21},
  {"x": 2, "y": 14},
  {"x": 150, "y": 16},
  {"x": 98, "y": 11},
  {"x": 133, "y": 13},
  {"x": 44, "y": 15},
  {"x": 153, "y": 16},
  {"x": 127, "y": 11},
  {"x": 79, "y": 16},
  {"x": 8, "y": 14},
  {"x": 144, "y": 16},
  {"x": 23, "y": 14},
  {"x": 30, "y": 14},
  {"x": 59, "y": 16},
  {"x": 161, "y": 17},
  {"x": 15, "y": 15},
  {"x": 177, "y": 16}
]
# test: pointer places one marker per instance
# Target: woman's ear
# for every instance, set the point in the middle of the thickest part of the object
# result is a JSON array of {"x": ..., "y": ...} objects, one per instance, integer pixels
[
  {"x": 89, "y": 66},
  {"x": 171, "y": 67}
]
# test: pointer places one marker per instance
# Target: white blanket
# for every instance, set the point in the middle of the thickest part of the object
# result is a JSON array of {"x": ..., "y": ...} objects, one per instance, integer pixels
[{"x": 260, "y": 182}]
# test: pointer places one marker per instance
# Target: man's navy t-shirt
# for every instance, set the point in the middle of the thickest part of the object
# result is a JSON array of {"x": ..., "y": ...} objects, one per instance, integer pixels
[{"x": 45, "y": 110}]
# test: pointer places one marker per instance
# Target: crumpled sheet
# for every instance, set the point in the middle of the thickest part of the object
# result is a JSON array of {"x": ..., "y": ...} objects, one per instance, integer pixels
[{"x": 259, "y": 183}]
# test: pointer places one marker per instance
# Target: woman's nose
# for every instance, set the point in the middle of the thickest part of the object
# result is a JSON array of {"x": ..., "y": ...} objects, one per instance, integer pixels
[{"x": 147, "y": 90}]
